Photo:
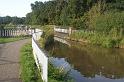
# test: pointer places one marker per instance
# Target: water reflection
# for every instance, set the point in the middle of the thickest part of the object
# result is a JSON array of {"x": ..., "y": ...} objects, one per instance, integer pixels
[{"x": 91, "y": 64}]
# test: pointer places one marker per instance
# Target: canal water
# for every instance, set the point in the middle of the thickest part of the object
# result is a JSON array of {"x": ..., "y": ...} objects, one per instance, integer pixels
[{"x": 88, "y": 63}]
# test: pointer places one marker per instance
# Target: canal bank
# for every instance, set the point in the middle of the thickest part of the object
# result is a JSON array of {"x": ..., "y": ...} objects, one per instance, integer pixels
[{"x": 88, "y": 63}]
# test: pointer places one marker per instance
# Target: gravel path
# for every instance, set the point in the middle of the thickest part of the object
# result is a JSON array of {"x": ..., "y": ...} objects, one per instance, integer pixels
[{"x": 9, "y": 61}]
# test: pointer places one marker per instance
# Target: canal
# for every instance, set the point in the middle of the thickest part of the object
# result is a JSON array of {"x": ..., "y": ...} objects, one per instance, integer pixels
[{"x": 88, "y": 63}]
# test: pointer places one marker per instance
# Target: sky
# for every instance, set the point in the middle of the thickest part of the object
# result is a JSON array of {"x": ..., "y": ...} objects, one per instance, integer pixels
[{"x": 16, "y": 7}]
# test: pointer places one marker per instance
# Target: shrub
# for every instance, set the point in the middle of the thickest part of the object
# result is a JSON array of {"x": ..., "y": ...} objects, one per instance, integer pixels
[
  {"x": 93, "y": 14},
  {"x": 109, "y": 21}
]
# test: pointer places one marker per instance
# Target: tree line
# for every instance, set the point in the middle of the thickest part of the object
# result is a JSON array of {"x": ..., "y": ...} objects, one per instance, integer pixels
[
  {"x": 7, "y": 20},
  {"x": 100, "y": 22},
  {"x": 75, "y": 13}
]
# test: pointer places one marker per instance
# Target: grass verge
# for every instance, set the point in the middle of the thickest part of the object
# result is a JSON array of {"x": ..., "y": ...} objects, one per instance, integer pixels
[
  {"x": 12, "y": 39},
  {"x": 29, "y": 70}
]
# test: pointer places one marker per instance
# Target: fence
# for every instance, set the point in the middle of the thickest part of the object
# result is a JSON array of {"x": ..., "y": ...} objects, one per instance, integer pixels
[
  {"x": 67, "y": 31},
  {"x": 40, "y": 58},
  {"x": 13, "y": 32}
]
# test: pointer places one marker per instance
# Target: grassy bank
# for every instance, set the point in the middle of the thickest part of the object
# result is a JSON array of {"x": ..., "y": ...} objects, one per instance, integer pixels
[
  {"x": 29, "y": 70},
  {"x": 99, "y": 39},
  {"x": 11, "y": 39}
]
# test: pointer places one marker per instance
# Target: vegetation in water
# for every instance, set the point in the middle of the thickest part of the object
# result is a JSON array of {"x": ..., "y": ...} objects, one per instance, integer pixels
[{"x": 58, "y": 75}]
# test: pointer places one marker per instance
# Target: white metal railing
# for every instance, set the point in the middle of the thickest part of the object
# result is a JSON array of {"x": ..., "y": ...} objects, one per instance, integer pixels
[
  {"x": 40, "y": 58},
  {"x": 67, "y": 31},
  {"x": 61, "y": 30},
  {"x": 13, "y": 32}
]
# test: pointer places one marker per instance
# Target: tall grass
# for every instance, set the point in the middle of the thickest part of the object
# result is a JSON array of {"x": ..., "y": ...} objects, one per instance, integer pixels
[{"x": 95, "y": 38}]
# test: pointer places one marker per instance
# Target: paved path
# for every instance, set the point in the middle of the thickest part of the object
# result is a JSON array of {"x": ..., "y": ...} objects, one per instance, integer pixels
[{"x": 9, "y": 61}]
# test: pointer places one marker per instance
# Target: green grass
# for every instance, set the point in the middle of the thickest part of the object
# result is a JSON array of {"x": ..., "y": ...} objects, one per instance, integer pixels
[
  {"x": 6, "y": 40},
  {"x": 29, "y": 70}
]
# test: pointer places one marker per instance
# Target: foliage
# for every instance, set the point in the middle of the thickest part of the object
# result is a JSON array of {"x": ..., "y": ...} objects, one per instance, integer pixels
[
  {"x": 59, "y": 12},
  {"x": 29, "y": 70},
  {"x": 106, "y": 26},
  {"x": 58, "y": 75},
  {"x": 105, "y": 17},
  {"x": 122, "y": 42},
  {"x": 47, "y": 37},
  {"x": 71, "y": 12},
  {"x": 94, "y": 13},
  {"x": 13, "y": 20},
  {"x": 109, "y": 22}
]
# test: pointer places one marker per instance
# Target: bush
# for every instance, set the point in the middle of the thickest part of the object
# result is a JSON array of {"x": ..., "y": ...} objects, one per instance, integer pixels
[
  {"x": 93, "y": 14},
  {"x": 101, "y": 20},
  {"x": 78, "y": 23},
  {"x": 109, "y": 21}
]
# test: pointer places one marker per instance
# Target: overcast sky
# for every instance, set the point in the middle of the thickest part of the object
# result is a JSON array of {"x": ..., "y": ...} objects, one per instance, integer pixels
[{"x": 16, "y": 7}]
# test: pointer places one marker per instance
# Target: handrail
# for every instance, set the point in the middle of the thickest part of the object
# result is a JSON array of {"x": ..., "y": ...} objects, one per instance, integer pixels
[{"x": 41, "y": 58}]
